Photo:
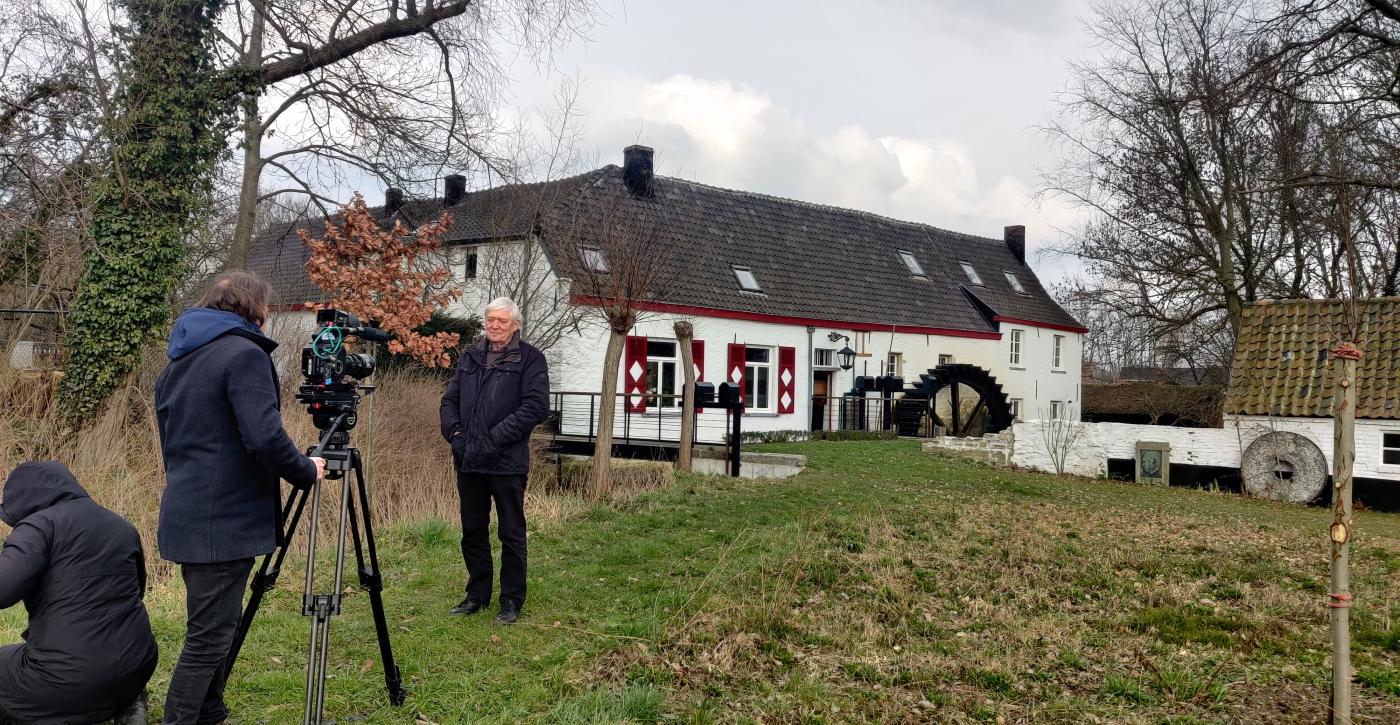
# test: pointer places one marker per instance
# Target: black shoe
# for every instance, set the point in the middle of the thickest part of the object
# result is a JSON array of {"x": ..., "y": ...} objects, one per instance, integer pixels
[
  {"x": 468, "y": 606},
  {"x": 135, "y": 713},
  {"x": 510, "y": 611}
]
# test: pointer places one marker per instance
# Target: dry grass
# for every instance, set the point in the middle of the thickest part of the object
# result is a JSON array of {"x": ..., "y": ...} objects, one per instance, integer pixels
[{"x": 117, "y": 458}]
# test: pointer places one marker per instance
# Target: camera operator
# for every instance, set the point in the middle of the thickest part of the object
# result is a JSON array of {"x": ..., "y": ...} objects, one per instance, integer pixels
[
  {"x": 79, "y": 569},
  {"x": 218, "y": 408},
  {"x": 498, "y": 394}
]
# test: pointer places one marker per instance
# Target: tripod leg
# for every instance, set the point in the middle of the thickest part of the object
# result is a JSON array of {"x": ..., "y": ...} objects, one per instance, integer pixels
[
  {"x": 373, "y": 582},
  {"x": 266, "y": 578}
]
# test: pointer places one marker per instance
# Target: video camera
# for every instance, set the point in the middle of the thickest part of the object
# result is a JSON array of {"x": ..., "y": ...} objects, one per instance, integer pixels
[{"x": 331, "y": 373}]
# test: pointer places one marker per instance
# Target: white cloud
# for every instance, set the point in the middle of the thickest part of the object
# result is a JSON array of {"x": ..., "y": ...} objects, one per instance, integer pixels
[{"x": 732, "y": 135}]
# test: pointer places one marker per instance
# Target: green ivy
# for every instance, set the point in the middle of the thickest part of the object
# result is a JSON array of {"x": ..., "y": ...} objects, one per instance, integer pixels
[{"x": 171, "y": 118}]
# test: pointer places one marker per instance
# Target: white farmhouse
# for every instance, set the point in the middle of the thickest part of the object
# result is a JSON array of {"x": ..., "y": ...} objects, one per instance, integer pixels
[{"x": 774, "y": 288}]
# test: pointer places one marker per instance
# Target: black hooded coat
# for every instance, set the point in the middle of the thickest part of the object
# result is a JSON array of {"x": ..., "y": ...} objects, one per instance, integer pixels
[{"x": 80, "y": 572}]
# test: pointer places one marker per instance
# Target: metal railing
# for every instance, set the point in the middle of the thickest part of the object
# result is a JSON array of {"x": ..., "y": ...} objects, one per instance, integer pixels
[
  {"x": 575, "y": 415},
  {"x": 905, "y": 416}
]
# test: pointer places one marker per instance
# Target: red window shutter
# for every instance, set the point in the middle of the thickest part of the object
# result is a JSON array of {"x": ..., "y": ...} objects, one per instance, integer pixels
[
  {"x": 634, "y": 375},
  {"x": 697, "y": 351},
  {"x": 734, "y": 370},
  {"x": 787, "y": 379}
]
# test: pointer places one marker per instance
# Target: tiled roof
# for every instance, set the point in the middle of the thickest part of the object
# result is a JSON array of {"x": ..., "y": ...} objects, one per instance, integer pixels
[
  {"x": 1283, "y": 361},
  {"x": 812, "y": 261},
  {"x": 1200, "y": 403}
]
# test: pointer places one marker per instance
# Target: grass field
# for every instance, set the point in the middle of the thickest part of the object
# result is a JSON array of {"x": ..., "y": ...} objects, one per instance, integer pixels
[{"x": 881, "y": 585}]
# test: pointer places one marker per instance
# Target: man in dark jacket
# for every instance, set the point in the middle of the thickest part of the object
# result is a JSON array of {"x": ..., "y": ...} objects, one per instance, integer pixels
[
  {"x": 498, "y": 394},
  {"x": 80, "y": 571},
  {"x": 218, "y": 408}
]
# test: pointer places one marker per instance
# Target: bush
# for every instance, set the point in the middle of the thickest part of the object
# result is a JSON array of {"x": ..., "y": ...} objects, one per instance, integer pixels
[{"x": 467, "y": 328}]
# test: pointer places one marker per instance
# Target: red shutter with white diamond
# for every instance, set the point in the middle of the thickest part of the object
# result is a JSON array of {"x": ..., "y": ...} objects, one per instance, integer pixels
[
  {"x": 734, "y": 369},
  {"x": 787, "y": 379},
  {"x": 634, "y": 375},
  {"x": 697, "y": 351}
]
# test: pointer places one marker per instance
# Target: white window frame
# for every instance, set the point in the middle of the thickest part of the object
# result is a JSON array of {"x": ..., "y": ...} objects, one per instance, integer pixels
[
  {"x": 824, "y": 358},
  {"x": 739, "y": 273},
  {"x": 1015, "y": 283},
  {"x": 1017, "y": 338},
  {"x": 1057, "y": 409},
  {"x": 945, "y": 359},
  {"x": 595, "y": 259},
  {"x": 1016, "y": 405},
  {"x": 1057, "y": 357},
  {"x": 894, "y": 363},
  {"x": 915, "y": 268},
  {"x": 658, "y": 398},
  {"x": 751, "y": 380},
  {"x": 464, "y": 255},
  {"x": 971, "y": 273},
  {"x": 1384, "y": 448}
]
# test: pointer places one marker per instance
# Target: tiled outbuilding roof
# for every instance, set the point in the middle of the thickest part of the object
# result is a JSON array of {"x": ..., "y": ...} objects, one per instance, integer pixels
[
  {"x": 1283, "y": 361},
  {"x": 811, "y": 261}
]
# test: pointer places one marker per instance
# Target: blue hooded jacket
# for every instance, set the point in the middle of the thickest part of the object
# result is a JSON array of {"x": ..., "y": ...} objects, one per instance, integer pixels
[{"x": 218, "y": 408}]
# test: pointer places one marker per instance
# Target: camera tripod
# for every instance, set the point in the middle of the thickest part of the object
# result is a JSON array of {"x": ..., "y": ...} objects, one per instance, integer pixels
[{"x": 342, "y": 461}]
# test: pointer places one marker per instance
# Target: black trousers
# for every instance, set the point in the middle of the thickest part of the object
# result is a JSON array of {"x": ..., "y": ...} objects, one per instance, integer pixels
[
  {"x": 477, "y": 491},
  {"x": 213, "y": 605}
]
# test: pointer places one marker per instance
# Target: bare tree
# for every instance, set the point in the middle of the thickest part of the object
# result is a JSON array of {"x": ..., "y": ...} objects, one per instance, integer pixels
[
  {"x": 1060, "y": 434},
  {"x": 685, "y": 334}
]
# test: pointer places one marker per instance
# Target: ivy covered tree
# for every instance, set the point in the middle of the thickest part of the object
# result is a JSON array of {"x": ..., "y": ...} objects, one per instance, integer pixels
[{"x": 168, "y": 126}]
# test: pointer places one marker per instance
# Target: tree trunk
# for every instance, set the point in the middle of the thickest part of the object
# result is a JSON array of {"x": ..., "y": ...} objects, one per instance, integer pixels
[
  {"x": 607, "y": 405},
  {"x": 685, "y": 332},
  {"x": 252, "y": 157},
  {"x": 1343, "y": 456}
]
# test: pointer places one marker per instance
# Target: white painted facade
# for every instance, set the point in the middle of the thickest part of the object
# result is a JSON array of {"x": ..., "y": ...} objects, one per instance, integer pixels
[{"x": 1199, "y": 446}]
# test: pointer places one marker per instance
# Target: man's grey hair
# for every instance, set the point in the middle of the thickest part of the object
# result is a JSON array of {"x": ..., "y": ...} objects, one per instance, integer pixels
[{"x": 507, "y": 304}]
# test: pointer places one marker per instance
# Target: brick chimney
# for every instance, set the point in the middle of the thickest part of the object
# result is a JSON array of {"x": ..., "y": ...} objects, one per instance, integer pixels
[
  {"x": 1015, "y": 237},
  {"x": 454, "y": 189},
  {"x": 636, "y": 170},
  {"x": 393, "y": 200}
]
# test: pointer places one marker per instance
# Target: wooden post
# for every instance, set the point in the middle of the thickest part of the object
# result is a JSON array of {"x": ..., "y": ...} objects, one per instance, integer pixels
[
  {"x": 1339, "y": 599},
  {"x": 685, "y": 332}
]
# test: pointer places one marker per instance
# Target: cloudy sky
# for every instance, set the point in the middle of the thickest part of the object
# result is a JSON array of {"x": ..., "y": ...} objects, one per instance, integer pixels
[{"x": 918, "y": 109}]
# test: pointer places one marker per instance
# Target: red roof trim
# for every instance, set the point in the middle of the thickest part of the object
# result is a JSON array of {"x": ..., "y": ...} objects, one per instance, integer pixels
[
  {"x": 788, "y": 320},
  {"x": 1046, "y": 325}
]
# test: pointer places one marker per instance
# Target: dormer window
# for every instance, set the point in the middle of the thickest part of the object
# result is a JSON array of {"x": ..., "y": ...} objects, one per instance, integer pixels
[
  {"x": 595, "y": 260},
  {"x": 747, "y": 281},
  {"x": 1015, "y": 283},
  {"x": 912, "y": 264},
  {"x": 971, "y": 273}
]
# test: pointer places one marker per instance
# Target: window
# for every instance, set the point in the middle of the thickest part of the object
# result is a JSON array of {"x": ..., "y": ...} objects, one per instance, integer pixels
[
  {"x": 1057, "y": 409},
  {"x": 747, "y": 281},
  {"x": 823, "y": 357},
  {"x": 1016, "y": 347},
  {"x": 912, "y": 264},
  {"x": 1016, "y": 408},
  {"x": 971, "y": 273},
  {"x": 664, "y": 382},
  {"x": 1390, "y": 449},
  {"x": 894, "y": 364},
  {"x": 466, "y": 256},
  {"x": 758, "y": 379},
  {"x": 595, "y": 260},
  {"x": 1015, "y": 283},
  {"x": 945, "y": 359},
  {"x": 1056, "y": 358}
]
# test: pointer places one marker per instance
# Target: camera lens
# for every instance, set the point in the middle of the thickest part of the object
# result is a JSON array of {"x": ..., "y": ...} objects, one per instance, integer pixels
[{"x": 359, "y": 365}]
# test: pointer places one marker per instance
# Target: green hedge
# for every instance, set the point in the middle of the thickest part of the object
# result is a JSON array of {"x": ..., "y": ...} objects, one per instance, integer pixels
[{"x": 797, "y": 436}]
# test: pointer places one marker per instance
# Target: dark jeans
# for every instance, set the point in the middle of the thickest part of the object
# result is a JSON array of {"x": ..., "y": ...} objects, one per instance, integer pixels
[
  {"x": 477, "y": 491},
  {"x": 214, "y": 604}
]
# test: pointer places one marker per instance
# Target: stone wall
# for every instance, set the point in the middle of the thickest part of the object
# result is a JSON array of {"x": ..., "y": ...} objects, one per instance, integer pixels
[{"x": 993, "y": 448}]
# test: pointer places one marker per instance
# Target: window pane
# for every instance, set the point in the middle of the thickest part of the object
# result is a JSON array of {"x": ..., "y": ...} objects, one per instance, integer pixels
[
  {"x": 748, "y": 387},
  {"x": 661, "y": 348},
  {"x": 668, "y": 384},
  {"x": 756, "y": 354},
  {"x": 1390, "y": 440},
  {"x": 1391, "y": 457},
  {"x": 761, "y": 386},
  {"x": 971, "y": 273},
  {"x": 1015, "y": 283},
  {"x": 912, "y": 264},
  {"x": 823, "y": 357},
  {"x": 747, "y": 280}
]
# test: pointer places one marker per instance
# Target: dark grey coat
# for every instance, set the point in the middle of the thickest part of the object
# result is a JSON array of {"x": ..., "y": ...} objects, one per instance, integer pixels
[
  {"x": 80, "y": 571},
  {"x": 219, "y": 410},
  {"x": 488, "y": 412}
]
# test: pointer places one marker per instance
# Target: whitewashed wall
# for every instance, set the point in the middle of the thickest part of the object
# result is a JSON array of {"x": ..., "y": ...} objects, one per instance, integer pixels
[{"x": 1197, "y": 446}]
